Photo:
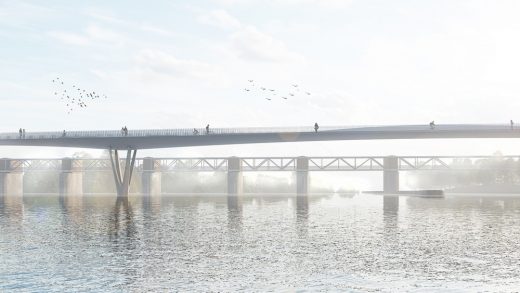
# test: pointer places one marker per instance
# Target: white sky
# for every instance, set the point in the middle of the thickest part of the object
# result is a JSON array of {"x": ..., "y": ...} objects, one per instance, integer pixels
[{"x": 169, "y": 64}]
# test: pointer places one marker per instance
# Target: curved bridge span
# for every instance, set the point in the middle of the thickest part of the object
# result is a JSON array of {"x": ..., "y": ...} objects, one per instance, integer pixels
[{"x": 168, "y": 138}]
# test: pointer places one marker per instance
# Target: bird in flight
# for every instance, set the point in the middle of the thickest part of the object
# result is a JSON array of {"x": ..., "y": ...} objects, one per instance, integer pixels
[
  {"x": 291, "y": 94},
  {"x": 308, "y": 93},
  {"x": 268, "y": 99},
  {"x": 75, "y": 97},
  {"x": 285, "y": 98}
]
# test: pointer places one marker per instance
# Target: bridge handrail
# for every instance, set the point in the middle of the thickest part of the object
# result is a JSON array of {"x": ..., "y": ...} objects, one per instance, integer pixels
[
  {"x": 220, "y": 131},
  {"x": 165, "y": 132}
]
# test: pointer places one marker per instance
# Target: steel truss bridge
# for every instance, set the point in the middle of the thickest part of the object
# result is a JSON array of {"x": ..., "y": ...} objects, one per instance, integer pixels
[{"x": 250, "y": 164}]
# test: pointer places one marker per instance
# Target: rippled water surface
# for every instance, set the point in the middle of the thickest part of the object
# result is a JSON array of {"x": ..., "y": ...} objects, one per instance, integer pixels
[{"x": 275, "y": 243}]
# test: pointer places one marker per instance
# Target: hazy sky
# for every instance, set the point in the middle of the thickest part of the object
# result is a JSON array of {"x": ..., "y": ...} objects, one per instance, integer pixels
[{"x": 168, "y": 64}]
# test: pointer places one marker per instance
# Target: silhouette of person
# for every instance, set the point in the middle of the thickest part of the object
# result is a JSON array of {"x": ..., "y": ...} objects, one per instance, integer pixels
[
  {"x": 23, "y": 133},
  {"x": 432, "y": 124},
  {"x": 64, "y": 133},
  {"x": 207, "y": 129},
  {"x": 20, "y": 132},
  {"x": 126, "y": 131},
  {"x": 195, "y": 131},
  {"x": 512, "y": 124},
  {"x": 316, "y": 127}
]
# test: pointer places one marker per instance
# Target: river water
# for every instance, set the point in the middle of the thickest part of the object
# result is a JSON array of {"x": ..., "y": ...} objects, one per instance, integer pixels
[{"x": 353, "y": 243}]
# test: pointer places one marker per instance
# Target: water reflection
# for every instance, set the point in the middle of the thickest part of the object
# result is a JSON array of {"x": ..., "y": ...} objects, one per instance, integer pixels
[
  {"x": 302, "y": 215},
  {"x": 214, "y": 243},
  {"x": 234, "y": 208},
  {"x": 122, "y": 224},
  {"x": 13, "y": 207},
  {"x": 151, "y": 204}
]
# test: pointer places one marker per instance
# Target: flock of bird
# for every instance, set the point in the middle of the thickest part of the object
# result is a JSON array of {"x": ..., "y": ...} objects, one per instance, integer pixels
[
  {"x": 272, "y": 93},
  {"x": 75, "y": 97}
]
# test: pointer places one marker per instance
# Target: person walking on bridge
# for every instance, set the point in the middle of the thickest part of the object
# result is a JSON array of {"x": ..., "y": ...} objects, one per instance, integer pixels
[
  {"x": 316, "y": 127},
  {"x": 512, "y": 124},
  {"x": 207, "y": 129},
  {"x": 432, "y": 124},
  {"x": 20, "y": 132},
  {"x": 23, "y": 133}
]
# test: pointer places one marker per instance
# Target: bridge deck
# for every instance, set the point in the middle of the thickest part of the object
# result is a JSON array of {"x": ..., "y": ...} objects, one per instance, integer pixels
[{"x": 166, "y": 138}]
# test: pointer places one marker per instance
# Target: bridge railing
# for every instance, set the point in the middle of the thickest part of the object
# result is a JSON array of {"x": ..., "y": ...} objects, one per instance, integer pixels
[
  {"x": 167, "y": 132},
  {"x": 244, "y": 130}
]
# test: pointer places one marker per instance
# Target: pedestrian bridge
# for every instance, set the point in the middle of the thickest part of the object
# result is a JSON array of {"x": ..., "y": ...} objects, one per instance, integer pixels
[
  {"x": 185, "y": 137},
  {"x": 133, "y": 140}
]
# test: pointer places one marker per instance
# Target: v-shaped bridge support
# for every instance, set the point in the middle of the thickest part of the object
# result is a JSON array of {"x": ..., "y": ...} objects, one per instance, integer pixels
[{"x": 122, "y": 178}]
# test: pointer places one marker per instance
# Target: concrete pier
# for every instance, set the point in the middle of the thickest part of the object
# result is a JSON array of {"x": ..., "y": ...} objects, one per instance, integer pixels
[
  {"x": 11, "y": 177},
  {"x": 151, "y": 178},
  {"x": 71, "y": 177},
  {"x": 235, "y": 178},
  {"x": 391, "y": 175},
  {"x": 302, "y": 176}
]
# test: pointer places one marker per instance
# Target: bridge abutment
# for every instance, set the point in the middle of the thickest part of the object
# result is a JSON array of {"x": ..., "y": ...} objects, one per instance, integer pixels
[
  {"x": 235, "y": 179},
  {"x": 302, "y": 176},
  {"x": 71, "y": 177},
  {"x": 151, "y": 178},
  {"x": 11, "y": 177},
  {"x": 391, "y": 175}
]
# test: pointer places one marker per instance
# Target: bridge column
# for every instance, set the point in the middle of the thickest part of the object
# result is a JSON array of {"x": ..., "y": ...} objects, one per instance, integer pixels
[
  {"x": 391, "y": 175},
  {"x": 71, "y": 177},
  {"x": 302, "y": 176},
  {"x": 11, "y": 177},
  {"x": 235, "y": 178},
  {"x": 122, "y": 178},
  {"x": 151, "y": 178}
]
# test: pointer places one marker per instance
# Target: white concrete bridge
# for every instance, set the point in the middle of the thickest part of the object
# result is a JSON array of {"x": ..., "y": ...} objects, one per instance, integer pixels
[
  {"x": 134, "y": 140},
  {"x": 186, "y": 137}
]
